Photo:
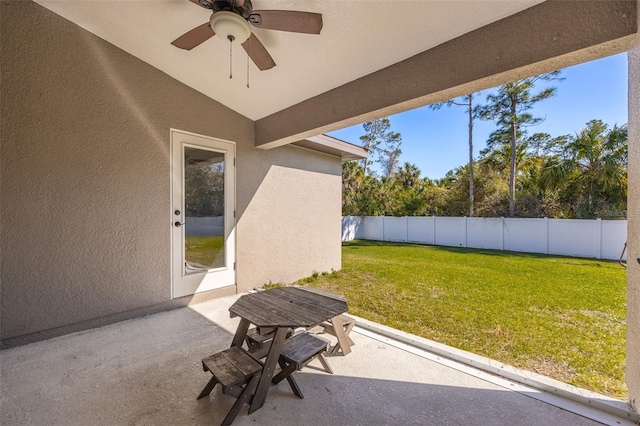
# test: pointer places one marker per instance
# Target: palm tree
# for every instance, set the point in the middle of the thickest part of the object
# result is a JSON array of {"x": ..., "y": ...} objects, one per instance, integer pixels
[
  {"x": 408, "y": 175},
  {"x": 352, "y": 180},
  {"x": 592, "y": 168}
]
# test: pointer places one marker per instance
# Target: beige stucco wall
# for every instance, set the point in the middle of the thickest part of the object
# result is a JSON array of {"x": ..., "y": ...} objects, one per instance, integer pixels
[
  {"x": 303, "y": 190},
  {"x": 85, "y": 183},
  {"x": 633, "y": 238}
]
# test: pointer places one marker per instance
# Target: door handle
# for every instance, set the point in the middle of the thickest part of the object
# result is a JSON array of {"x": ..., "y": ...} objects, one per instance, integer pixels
[{"x": 178, "y": 224}]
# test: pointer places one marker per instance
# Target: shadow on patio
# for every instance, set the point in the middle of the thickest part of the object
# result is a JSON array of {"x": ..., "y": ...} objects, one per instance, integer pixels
[{"x": 148, "y": 371}]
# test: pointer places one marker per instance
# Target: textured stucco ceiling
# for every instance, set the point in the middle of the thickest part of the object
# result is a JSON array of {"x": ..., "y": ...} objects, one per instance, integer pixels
[{"x": 358, "y": 38}]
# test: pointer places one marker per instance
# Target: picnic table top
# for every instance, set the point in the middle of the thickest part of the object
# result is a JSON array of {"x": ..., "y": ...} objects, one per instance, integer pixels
[{"x": 289, "y": 307}]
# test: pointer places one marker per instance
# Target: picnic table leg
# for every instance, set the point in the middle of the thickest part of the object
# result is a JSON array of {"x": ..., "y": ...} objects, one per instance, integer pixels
[
  {"x": 244, "y": 397},
  {"x": 292, "y": 382},
  {"x": 343, "y": 342},
  {"x": 241, "y": 333},
  {"x": 268, "y": 369}
]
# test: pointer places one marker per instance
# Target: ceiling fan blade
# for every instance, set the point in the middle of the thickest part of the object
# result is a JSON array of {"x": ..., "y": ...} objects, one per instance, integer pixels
[
  {"x": 195, "y": 37},
  {"x": 258, "y": 53},
  {"x": 287, "y": 20}
]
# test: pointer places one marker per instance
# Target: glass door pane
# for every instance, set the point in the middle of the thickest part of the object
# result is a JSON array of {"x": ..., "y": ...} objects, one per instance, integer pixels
[{"x": 204, "y": 233}]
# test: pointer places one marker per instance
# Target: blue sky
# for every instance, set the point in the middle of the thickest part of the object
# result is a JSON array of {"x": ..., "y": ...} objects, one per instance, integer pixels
[{"x": 437, "y": 141}]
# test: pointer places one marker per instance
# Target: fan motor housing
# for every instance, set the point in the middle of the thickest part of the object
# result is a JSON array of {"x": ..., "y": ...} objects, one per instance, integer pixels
[{"x": 231, "y": 6}]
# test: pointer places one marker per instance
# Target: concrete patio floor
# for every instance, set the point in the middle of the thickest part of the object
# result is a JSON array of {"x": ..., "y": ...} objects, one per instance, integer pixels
[{"x": 147, "y": 371}]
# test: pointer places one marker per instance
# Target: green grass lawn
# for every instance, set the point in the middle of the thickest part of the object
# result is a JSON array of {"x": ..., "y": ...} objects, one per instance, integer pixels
[
  {"x": 205, "y": 252},
  {"x": 558, "y": 316}
]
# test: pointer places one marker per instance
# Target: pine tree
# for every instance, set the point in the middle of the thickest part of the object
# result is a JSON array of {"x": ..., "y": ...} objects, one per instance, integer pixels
[{"x": 509, "y": 108}]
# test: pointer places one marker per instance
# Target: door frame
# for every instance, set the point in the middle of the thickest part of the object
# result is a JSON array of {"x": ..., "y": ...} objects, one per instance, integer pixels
[{"x": 206, "y": 280}]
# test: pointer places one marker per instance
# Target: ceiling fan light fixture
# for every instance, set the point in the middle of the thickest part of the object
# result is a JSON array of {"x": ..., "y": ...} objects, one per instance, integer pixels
[{"x": 230, "y": 26}]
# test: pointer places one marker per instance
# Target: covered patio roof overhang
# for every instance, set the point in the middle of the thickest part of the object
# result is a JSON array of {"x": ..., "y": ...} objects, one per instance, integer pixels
[
  {"x": 542, "y": 38},
  {"x": 371, "y": 59}
]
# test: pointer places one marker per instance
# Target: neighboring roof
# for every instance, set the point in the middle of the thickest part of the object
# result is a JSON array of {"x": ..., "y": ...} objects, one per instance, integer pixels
[{"x": 332, "y": 146}]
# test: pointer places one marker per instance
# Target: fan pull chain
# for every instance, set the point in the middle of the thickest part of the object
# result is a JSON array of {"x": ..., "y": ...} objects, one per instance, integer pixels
[
  {"x": 231, "y": 38},
  {"x": 247, "y": 71}
]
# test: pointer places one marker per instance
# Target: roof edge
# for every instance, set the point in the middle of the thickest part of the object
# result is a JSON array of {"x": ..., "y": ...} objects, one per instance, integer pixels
[{"x": 333, "y": 146}]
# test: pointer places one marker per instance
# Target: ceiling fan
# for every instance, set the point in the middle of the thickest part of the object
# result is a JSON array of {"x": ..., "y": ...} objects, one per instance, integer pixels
[{"x": 232, "y": 19}]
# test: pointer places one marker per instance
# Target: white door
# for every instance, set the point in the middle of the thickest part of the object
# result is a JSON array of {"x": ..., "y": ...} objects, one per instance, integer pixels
[{"x": 202, "y": 213}]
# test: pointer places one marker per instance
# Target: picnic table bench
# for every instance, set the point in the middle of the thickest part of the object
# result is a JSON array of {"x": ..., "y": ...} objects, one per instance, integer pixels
[{"x": 274, "y": 313}]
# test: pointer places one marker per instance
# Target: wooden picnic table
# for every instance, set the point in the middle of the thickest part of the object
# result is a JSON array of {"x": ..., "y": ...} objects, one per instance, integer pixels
[{"x": 281, "y": 309}]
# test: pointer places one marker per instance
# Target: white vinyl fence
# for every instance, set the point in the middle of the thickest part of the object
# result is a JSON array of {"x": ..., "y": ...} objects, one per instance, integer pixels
[
  {"x": 204, "y": 226},
  {"x": 600, "y": 239}
]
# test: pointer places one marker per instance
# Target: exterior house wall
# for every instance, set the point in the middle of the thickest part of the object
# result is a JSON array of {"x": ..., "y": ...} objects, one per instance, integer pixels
[
  {"x": 85, "y": 183},
  {"x": 303, "y": 190}
]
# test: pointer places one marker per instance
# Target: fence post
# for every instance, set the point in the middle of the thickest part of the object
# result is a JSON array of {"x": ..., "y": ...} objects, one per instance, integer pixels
[
  {"x": 503, "y": 224},
  {"x": 546, "y": 235},
  {"x": 434, "y": 231},
  {"x": 364, "y": 227},
  {"x": 406, "y": 220},
  {"x": 383, "y": 239},
  {"x": 599, "y": 252},
  {"x": 465, "y": 232}
]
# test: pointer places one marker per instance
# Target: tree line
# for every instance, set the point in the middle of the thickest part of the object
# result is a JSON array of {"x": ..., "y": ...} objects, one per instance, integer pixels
[{"x": 518, "y": 173}]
